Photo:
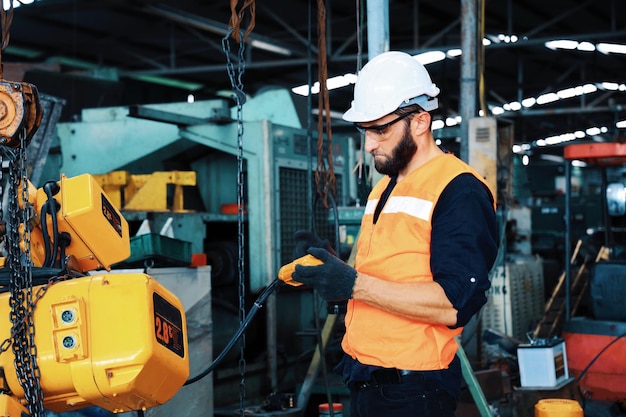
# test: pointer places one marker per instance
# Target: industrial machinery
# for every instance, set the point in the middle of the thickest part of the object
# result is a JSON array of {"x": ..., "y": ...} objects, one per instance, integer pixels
[
  {"x": 595, "y": 342},
  {"x": 279, "y": 160},
  {"x": 74, "y": 336},
  {"x": 201, "y": 137}
]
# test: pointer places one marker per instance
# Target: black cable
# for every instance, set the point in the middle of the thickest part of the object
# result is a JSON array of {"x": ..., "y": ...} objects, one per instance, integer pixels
[
  {"x": 253, "y": 310},
  {"x": 52, "y": 209},
  {"x": 584, "y": 371},
  {"x": 44, "y": 232}
]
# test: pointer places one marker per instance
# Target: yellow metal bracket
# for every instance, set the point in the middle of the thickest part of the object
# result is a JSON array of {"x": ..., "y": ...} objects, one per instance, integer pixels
[{"x": 146, "y": 192}]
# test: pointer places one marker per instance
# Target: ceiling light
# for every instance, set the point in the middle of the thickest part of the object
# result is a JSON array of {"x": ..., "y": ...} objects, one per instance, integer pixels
[
  {"x": 547, "y": 98},
  {"x": 430, "y": 57},
  {"x": 270, "y": 47},
  {"x": 586, "y": 46},
  {"x": 451, "y": 121},
  {"x": 567, "y": 93},
  {"x": 621, "y": 124},
  {"x": 438, "y": 124},
  {"x": 561, "y": 44},
  {"x": 593, "y": 131},
  {"x": 589, "y": 88},
  {"x": 614, "y": 48}
]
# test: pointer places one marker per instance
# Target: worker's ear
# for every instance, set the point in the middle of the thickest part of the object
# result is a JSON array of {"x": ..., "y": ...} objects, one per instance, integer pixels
[{"x": 420, "y": 123}]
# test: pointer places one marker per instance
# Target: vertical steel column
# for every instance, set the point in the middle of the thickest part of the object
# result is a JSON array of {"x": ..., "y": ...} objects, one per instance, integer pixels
[
  {"x": 467, "y": 100},
  {"x": 377, "y": 27},
  {"x": 377, "y": 40}
]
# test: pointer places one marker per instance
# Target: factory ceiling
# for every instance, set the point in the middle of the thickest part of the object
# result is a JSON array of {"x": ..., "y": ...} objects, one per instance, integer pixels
[{"x": 109, "y": 52}]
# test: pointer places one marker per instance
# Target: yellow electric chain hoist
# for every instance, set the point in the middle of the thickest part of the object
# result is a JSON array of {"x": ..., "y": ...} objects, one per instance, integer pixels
[{"x": 75, "y": 335}]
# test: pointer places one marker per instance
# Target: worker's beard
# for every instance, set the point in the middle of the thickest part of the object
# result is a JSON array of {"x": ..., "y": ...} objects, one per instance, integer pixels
[{"x": 400, "y": 157}]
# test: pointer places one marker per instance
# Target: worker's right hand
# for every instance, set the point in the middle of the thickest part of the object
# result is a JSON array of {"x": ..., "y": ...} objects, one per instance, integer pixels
[{"x": 306, "y": 239}]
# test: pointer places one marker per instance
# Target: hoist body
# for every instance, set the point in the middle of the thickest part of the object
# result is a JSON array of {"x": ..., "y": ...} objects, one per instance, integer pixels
[
  {"x": 113, "y": 340},
  {"x": 99, "y": 235},
  {"x": 117, "y": 341}
]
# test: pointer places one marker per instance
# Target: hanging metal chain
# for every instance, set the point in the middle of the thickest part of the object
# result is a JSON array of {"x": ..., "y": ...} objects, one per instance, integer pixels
[
  {"x": 240, "y": 98},
  {"x": 21, "y": 283},
  {"x": 41, "y": 291}
]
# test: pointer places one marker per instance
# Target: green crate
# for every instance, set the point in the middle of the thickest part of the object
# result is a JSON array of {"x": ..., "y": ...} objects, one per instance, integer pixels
[{"x": 161, "y": 250}]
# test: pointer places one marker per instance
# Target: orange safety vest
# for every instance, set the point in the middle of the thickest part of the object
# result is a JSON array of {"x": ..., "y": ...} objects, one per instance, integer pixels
[{"x": 397, "y": 248}]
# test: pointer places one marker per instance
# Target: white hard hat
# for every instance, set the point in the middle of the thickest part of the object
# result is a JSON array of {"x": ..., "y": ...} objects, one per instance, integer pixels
[{"x": 389, "y": 81}]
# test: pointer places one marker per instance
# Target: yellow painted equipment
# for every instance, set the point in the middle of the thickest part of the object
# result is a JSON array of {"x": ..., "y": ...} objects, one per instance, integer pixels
[
  {"x": 117, "y": 341},
  {"x": 558, "y": 407},
  {"x": 99, "y": 233},
  {"x": 284, "y": 273},
  {"x": 11, "y": 407},
  {"x": 146, "y": 192}
]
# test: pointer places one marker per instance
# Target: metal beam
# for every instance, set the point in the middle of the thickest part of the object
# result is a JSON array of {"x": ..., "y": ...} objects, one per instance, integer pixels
[{"x": 219, "y": 28}]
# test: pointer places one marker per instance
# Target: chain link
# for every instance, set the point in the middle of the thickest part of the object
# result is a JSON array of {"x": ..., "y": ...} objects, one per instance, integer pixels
[
  {"x": 240, "y": 98},
  {"x": 41, "y": 291},
  {"x": 21, "y": 284}
]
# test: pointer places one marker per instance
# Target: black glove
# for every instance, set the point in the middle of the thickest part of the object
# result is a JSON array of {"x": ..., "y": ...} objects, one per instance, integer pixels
[
  {"x": 306, "y": 239},
  {"x": 334, "y": 279}
]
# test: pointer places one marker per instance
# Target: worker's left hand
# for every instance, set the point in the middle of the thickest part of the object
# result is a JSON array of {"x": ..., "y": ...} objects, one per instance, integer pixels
[{"x": 334, "y": 279}]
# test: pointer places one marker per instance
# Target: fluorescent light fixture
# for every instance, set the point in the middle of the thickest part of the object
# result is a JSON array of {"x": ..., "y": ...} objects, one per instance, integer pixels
[
  {"x": 430, "y": 57},
  {"x": 592, "y": 131},
  {"x": 270, "y": 47},
  {"x": 605, "y": 48},
  {"x": 547, "y": 98},
  {"x": 561, "y": 44},
  {"x": 521, "y": 148},
  {"x": 451, "y": 121},
  {"x": 586, "y": 46},
  {"x": 506, "y": 38},
  {"x": 438, "y": 124},
  {"x": 610, "y": 86},
  {"x": 621, "y": 124},
  {"x": 611, "y": 48},
  {"x": 331, "y": 83},
  {"x": 453, "y": 53},
  {"x": 529, "y": 102},
  {"x": 302, "y": 90}
]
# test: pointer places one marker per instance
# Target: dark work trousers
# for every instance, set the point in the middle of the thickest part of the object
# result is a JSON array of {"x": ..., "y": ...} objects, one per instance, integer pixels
[{"x": 407, "y": 397}]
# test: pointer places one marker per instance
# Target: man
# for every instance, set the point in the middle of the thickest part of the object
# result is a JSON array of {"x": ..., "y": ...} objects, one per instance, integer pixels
[{"x": 427, "y": 242}]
